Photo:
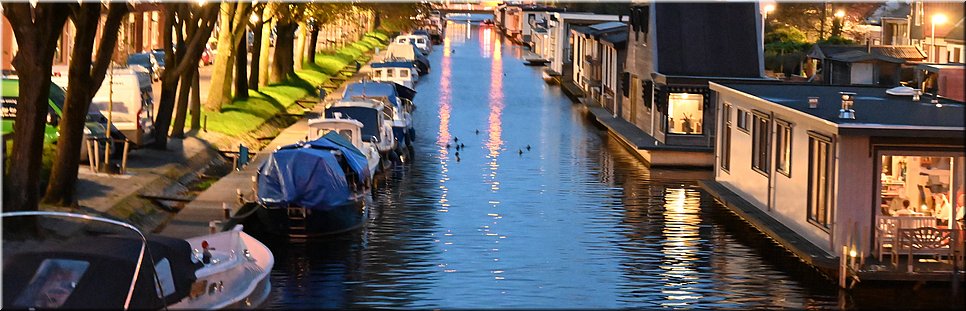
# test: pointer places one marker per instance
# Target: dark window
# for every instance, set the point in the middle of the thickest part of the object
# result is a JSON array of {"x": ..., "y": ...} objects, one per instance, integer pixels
[
  {"x": 783, "y": 141},
  {"x": 818, "y": 180},
  {"x": 626, "y": 83},
  {"x": 726, "y": 138},
  {"x": 759, "y": 143}
]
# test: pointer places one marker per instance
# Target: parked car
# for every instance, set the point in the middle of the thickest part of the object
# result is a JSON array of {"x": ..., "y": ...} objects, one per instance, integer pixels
[
  {"x": 94, "y": 127},
  {"x": 159, "y": 59}
]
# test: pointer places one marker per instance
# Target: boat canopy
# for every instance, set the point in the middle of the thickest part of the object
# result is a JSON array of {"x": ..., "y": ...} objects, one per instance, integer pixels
[
  {"x": 97, "y": 268},
  {"x": 368, "y": 116},
  {"x": 315, "y": 175},
  {"x": 377, "y": 89}
]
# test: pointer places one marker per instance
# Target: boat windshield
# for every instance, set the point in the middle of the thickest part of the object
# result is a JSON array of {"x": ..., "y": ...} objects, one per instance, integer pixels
[{"x": 65, "y": 260}]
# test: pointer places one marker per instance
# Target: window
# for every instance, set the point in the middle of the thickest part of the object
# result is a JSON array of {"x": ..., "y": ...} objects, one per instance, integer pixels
[
  {"x": 52, "y": 283},
  {"x": 783, "y": 141},
  {"x": 743, "y": 120},
  {"x": 404, "y": 73},
  {"x": 421, "y": 41},
  {"x": 760, "y": 144},
  {"x": 685, "y": 113},
  {"x": 818, "y": 180},
  {"x": 726, "y": 138},
  {"x": 390, "y": 73}
]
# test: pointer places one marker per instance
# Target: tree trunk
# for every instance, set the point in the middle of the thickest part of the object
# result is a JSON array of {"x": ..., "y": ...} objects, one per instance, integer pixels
[
  {"x": 195, "y": 102},
  {"x": 265, "y": 55},
  {"x": 241, "y": 69},
  {"x": 313, "y": 43},
  {"x": 219, "y": 91},
  {"x": 86, "y": 78},
  {"x": 256, "y": 55},
  {"x": 284, "y": 46},
  {"x": 300, "y": 45},
  {"x": 33, "y": 28},
  {"x": 181, "y": 112},
  {"x": 205, "y": 18}
]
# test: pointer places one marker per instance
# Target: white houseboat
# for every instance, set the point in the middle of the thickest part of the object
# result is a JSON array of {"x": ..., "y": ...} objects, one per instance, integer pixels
[{"x": 838, "y": 173}]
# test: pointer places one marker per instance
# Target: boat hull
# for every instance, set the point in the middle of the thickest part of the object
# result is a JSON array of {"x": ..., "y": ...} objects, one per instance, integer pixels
[{"x": 316, "y": 222}]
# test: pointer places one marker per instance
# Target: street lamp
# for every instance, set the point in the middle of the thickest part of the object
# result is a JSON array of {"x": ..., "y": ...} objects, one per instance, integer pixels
[
  {"x": 839, "y": 14},
  {"x": 768, "y": 9},
  {"x": 938, "y": 18}
]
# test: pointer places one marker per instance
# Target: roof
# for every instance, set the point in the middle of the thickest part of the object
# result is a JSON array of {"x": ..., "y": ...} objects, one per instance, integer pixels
[
  {"x": 714, "y": 46},
  {"x": 956, "y": 34},
  {"x": 893, "y": 53},
  {"x": 600, "y": 28},
  {"x": 618, "y": 38},
  {"x": 873, "y": 107}
]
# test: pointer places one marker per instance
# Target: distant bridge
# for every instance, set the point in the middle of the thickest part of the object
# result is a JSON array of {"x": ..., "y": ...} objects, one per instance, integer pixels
[{"x": 469, "y": 11}]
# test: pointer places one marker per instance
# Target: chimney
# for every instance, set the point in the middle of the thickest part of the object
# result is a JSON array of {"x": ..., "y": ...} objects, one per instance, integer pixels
[{"x": 847, "y": 112}]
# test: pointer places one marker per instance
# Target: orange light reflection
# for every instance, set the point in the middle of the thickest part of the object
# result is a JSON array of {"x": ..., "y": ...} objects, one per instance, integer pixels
[{"x": 495, "y": 141}]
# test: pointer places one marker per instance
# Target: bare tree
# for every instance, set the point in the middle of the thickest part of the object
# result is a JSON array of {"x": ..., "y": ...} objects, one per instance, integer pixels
[
  {"x": 33, "y": 26},
  {"x": 204, "y": 16},
  {"x": 85, "y": 76}
]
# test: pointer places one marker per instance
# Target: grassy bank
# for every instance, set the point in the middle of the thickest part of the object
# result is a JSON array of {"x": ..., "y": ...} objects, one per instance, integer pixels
[{"x": 246, "y": 115}]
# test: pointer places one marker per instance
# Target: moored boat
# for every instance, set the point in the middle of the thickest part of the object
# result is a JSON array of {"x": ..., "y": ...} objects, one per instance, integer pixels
[
  {"x": 75, "y": 261},
  {"x": 395, "y": 96},
  {"x": 352, "y": 131},
  {"x": 313, "y": 188}
]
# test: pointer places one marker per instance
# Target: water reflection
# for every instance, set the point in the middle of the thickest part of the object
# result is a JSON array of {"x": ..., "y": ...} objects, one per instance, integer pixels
[{"x": 576, "y": 222}]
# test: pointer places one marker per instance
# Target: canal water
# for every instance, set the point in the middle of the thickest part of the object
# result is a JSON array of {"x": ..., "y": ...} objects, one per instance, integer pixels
[{"x": 573, "y": 221}]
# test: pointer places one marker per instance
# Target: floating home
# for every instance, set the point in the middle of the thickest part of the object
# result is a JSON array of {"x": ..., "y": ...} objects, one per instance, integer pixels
[{"x": 842, "y": 174}]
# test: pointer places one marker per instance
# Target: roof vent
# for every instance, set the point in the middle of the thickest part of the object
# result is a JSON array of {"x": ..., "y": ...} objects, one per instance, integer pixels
[{"x": 847, "y": 112}]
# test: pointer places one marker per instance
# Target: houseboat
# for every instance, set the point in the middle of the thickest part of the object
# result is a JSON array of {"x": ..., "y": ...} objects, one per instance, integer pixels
[
  {"x": 400, "y": 71},
  {"x": 554, "y": 45},
  {"x": 314, "y": 188},
  {"x": 667, "y": 117},
  {"x": 596, "y": 64},
  {"x": 77, "y": 261},
  {"x": 846, "y": 175}
]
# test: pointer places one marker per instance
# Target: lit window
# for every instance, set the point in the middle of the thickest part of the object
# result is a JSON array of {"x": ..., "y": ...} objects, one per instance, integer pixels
[{"x": 685, "y": 113}]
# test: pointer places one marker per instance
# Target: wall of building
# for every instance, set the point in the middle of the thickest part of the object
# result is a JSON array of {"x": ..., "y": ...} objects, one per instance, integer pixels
[
  {"x": 787, "y": 201},
  {"x": 639, "y": 63}
]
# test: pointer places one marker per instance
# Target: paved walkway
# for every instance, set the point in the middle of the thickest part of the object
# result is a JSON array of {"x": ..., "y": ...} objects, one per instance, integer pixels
[{"x": 194, "y": 219}]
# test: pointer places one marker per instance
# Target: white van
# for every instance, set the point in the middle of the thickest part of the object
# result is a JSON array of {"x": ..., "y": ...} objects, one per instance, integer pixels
[{"x": 133, "y": 109}]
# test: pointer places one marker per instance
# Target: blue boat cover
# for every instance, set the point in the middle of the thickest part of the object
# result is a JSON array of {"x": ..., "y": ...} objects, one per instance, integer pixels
[{"x": 309, "y": 174}]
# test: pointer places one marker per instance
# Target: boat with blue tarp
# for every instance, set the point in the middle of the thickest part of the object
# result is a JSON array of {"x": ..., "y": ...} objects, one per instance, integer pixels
[{"x": 314, "y": 188}]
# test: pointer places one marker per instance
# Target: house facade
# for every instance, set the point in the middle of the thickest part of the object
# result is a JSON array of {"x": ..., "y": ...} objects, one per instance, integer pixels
[
  {"x": 591, "y": 70},
  {"x": 839, "y": 181},
  {"x": 558, "y": 41},
  {"x": 669, "y": 64}
]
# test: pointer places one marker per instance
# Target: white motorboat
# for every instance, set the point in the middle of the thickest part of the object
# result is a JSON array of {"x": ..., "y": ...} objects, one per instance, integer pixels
[
  {"x": 422, "y": 42},
  {"x": 398, "y": 71},
  {"x": 352, "y": 131},
  {"x": 376, "y": 119},
  {"x": 68, "y": 260}
]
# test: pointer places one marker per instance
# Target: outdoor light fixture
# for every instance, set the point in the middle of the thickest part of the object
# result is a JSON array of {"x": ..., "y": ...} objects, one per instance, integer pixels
[
  {"x": 253, "y": 18},
  {"x": 839, "y": 14},
  {"x": 938, "y": 18},
  {"x": 847, "y": 112},
  {"x": 768, "y": 9}
]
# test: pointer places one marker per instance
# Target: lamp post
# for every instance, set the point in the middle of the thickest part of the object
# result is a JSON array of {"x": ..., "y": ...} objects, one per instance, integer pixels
[
  {"x": 838, "y": 23},
  {"x": 938, "y": 18}
]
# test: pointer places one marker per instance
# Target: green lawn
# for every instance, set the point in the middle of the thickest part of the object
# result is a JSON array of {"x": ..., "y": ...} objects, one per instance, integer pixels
[{"x": 245, "y": 115}]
